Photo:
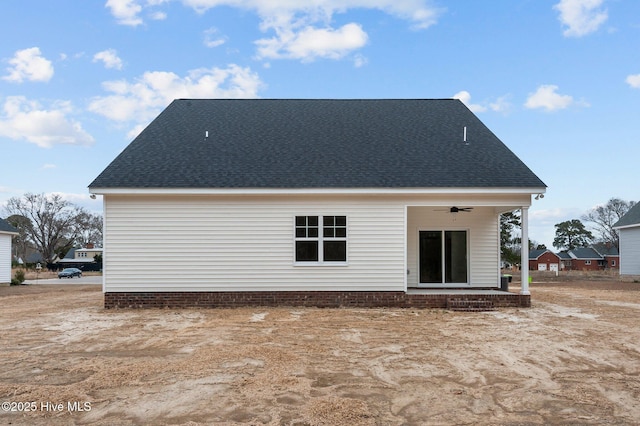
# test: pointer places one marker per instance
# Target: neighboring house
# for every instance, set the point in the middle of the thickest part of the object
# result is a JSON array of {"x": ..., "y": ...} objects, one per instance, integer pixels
[
  {"x": 565, "y": 261},
  {"x": 81, "y": 258},
  {"x": 628, "y": 228},
  {"x": 33, "y": 259},
  {"x": 584, "y": 259},
  {"x": 609, "y": 253},
  {"x": 310, "y": 202},
  {"x": 7, "y": 232},
  {"x": 543, "y": 260}
]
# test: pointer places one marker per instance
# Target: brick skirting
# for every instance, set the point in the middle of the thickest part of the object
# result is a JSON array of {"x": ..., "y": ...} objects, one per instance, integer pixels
[{"x": 321, "y": 299}]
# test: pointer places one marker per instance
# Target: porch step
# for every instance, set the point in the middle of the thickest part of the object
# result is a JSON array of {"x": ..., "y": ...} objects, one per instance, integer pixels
[{"x": 469, "y": 305}]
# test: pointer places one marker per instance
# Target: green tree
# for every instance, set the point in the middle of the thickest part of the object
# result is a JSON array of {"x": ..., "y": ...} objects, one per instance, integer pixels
[
  {"x": 534, "y": 245},
  {"x": 98, "y": 259},
  {"x": 571, "y": 234},
  {"x": 509, "y": 240},
  {"x": 604, "y": 217}
]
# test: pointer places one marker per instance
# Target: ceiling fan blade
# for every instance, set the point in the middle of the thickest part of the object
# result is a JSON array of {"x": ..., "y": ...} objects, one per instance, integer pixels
[
  {"x": 454, "y": 209},
  {"x": 460, "y": 209}
]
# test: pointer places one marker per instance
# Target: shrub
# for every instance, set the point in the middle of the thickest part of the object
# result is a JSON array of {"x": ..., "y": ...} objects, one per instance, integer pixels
[{"x": 18, "y": 277}]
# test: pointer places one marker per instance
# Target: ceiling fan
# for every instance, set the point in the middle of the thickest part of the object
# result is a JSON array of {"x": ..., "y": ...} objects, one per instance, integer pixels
[{"x": 456, "y": 209}]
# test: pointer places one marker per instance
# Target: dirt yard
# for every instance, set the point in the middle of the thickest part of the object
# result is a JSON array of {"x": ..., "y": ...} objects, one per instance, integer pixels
[{"x": 573, "y": 358}]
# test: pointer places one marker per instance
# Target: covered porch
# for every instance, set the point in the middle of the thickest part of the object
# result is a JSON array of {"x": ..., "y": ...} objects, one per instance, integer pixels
[{"x": 453, "y": 247}]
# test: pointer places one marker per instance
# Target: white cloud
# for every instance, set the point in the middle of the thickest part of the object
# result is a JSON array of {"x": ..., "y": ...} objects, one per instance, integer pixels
[
  {"x": 141, "y": 100},
  {"x": 302, "y": 29},
  {"x": 279, "y": 12},
  {"x": 48, "y": 166},
  {"x": 212, "y": 39},
  {"x": 125, "y": 11},
  {"x": 158, "y": 16},
  {"x": 633, "y": 80},
  {"x": 21, "y": 119},
  {"x": 110, "y": 59},
  {"x": 465, "y": 97},
  {"x": 546, "y": 97},
  {"x": 82, "y": 199},
  {"x": 359, "y": 60},
  {"x": 501, "y": 104},
  {"x": 28, "y": 64},
  {"x": 137, "y": 129},
  {"x": 311, "y": 43},
  {"x": 581, "y": 17}
]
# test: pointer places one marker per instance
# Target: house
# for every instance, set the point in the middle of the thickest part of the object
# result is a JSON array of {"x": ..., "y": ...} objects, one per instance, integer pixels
[
  {"x": 7, "y": 232},
  {"x": 543, "y": 260},
  {"x": 82, "y": 258},
  {"x": 565, "y": 260},
  {"x": 311, "y": 202},
  {"x": 586, "y": 259},
  {"x": 595, "y": 258},
  {"x": 36, "y": 257},
  {"x": 609, "y": 253},
  {"x": 628, "y": 228}
]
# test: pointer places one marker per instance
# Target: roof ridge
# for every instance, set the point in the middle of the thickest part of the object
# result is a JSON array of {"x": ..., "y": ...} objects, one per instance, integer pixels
[{"x": 317, "y": 99}]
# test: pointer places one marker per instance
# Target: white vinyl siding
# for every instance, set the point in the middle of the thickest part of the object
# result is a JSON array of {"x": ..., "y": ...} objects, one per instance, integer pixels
[
  {"x": 630, "y": 251},
  {"x": 244, "y": 243},
  {"x": 482, "y": 234},
  {"x": 5, "y": 258}
]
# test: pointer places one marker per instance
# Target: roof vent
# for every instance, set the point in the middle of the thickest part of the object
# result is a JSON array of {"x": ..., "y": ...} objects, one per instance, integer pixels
[{"x": 464, "y": 135}]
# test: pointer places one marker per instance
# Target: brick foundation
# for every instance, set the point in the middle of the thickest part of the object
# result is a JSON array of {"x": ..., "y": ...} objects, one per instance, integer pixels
[{"x": 321, "y": 299}]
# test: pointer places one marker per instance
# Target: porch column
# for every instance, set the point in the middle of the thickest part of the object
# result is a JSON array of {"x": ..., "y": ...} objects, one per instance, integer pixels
[{"x": 524, "y": 252}]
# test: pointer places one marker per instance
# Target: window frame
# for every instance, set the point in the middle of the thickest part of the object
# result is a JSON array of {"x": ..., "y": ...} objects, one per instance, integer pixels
[{"x": 320, "y": 239}]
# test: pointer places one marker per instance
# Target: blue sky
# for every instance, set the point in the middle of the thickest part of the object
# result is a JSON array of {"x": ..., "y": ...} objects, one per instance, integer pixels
[{"x": 558, "y": 81}]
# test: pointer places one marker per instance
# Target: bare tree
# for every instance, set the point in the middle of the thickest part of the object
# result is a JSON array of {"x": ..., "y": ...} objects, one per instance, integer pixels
[
  {"x": 604, "y": 217},
  {"x": 50, "y": 224},
  {"x": 88, "y": 229},
  {"x": 21, "y": 243}
]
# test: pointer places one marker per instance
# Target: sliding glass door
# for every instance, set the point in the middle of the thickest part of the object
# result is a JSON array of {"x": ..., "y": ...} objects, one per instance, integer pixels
[{"x": 443, "y": 257}]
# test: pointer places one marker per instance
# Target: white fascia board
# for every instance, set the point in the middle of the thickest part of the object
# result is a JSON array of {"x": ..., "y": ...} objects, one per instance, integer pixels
[
  {"x": 307, "y": 191},
  {"x": 633, "y": 225}
]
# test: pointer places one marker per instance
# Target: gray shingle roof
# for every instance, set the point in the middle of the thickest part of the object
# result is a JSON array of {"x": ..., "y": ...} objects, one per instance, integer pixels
[
  {"x": 268, "y": 143},
  {"x": 606, "y": 250},
  {"x": 584, "y": 253},
  {"x": 632, "y": 217},
  {"x": 7, "y": 227},
  {"x": 534, "y": 254}
]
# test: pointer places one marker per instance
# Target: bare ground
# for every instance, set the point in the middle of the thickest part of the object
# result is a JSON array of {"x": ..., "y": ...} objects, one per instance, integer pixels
[{"x": 573, "y": 358}]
